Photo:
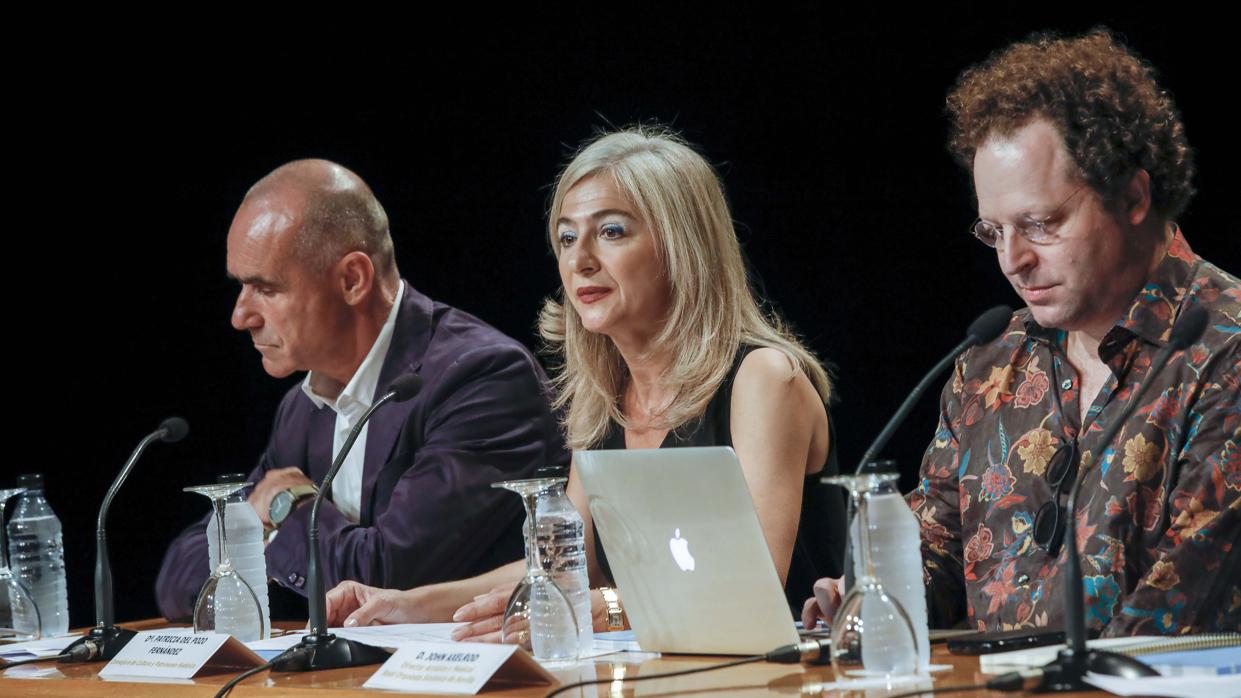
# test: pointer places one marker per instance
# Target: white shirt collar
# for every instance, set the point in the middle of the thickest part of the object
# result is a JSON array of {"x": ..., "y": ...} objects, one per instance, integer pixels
[{"x": 360, "y": 391}]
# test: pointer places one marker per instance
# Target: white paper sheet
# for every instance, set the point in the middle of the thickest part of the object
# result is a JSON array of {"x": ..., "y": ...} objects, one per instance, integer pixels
[
  {"x": 386, "y": 636},
  {"x": 393, "y": 636},
  {"x": 46, "y": 647},
  {"x": 615, "y": 641},
  {"x": 1169, "y": 686},
  {"x": 598, "y": 650},
  {"x": 390, "y": 636},
  {"x": 614, "y": 646}
]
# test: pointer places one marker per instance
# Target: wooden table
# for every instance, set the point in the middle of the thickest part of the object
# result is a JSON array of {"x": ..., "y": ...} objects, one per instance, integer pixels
[{"x": 769, "y": 680}]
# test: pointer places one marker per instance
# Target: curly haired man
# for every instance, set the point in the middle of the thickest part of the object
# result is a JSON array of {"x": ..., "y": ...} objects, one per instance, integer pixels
[{"x": 1081, "y": 168}]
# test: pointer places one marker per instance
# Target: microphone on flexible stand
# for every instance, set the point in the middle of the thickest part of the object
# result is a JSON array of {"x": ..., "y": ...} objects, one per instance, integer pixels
[
  {"x": 106, "y": 639},
  {"x": 319, "y": 648},
  {"x": 1066, "y": 672},
  {"x": 983, "y": 329}
]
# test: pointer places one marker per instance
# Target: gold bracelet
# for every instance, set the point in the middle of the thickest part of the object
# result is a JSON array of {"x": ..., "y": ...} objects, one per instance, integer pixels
[{"x": 616, "y": 617}]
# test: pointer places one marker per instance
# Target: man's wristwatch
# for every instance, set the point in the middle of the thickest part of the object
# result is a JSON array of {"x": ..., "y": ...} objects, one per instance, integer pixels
[
  {"x": 286, "y": 501},
  {"x": 616, "y": 616}
]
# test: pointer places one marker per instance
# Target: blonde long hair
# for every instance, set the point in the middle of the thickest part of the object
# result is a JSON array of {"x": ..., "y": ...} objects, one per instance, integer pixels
[{"x": 679, "y": 195}]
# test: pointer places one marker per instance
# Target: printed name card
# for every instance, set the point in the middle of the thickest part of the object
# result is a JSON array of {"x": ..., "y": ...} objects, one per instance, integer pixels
[
  {"x": 173, "y": 654},
  {"x": 459, "y": 667}
]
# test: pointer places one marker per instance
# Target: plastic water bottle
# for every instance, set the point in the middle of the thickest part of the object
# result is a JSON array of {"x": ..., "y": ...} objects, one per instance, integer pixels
[
  {"x": 235, "y": 612},
  {"x": 896, "y": 553},
  {"x": 245, "y": 545},
  {"x": 37, "y": 555},
  {"x": 562, "y": 551}
]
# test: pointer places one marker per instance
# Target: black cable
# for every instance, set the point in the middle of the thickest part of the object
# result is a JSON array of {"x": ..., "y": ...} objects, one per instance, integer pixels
[
  {"x": 667, "y": 674},
  {"x": 232, "y": 683}
]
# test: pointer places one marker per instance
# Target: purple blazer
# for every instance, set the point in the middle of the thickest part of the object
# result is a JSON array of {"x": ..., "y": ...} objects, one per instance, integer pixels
[{"x": 429, "y": 513}]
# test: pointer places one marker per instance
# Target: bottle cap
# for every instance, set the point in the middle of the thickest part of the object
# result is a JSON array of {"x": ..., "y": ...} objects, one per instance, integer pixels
[
  {"x": 551, "y": 471},
  {"x": 877, "y": 467},
  {"x": 31, "y": 481}
]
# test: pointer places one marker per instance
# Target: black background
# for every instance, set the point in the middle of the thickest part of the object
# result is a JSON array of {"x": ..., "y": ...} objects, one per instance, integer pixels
[{"x": 131, "y": 153}]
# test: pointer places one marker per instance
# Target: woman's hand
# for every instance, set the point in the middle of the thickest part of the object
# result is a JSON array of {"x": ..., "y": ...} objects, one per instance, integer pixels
[
  {"x": 828, "y": 593},
  {"x": 483, "y": 616},
  {"x": 351, "y": 603}
]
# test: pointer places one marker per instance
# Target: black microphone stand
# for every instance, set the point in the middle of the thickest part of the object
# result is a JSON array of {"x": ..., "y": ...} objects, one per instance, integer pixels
[
  {"x": 106, "y": 639},
  {"x": 319, "y": 648},
  {"x": 983, "y": 329},
  {"x": 1068, "y": 670}
]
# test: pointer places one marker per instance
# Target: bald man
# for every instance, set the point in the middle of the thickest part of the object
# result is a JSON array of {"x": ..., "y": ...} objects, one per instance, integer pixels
[{"x": 413, "y": 502}]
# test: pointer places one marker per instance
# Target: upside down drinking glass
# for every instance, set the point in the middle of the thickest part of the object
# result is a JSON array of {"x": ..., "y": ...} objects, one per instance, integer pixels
[
  {"x": 538, "y": 616},
  {"x": 872, "y": 634},
  {"x": 226, "y": 603}
]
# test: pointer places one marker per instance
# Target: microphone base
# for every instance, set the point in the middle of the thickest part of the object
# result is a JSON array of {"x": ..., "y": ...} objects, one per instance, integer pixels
[
  {"x": 101, "y": 645},
  {"x": 330, "y": 652},
  {"x": 1067, "y": 672}
]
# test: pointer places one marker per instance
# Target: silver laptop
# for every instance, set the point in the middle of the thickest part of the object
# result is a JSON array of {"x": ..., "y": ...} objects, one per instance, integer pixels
[{"x": 686, "y": 550}]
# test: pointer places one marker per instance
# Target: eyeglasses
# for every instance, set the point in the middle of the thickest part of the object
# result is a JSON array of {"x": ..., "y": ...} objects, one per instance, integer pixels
[
  {"x": 1033, "y": 230},
  {"x": 1061, "y": 473}
]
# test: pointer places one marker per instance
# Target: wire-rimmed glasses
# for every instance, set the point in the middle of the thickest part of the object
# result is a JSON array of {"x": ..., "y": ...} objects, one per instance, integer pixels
[{"x": 1031, "y": 229}]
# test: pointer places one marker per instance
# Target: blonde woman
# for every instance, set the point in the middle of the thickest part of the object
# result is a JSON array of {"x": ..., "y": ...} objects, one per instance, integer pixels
[{"x": 661, "y": 345}]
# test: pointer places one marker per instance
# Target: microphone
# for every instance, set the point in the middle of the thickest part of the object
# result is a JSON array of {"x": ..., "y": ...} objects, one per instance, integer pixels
[
  {"x": 1066, "y": 671},
  {"x": 404, "y": 387},
  {"x": 983, "y": 329},
  {"x": 321, "y": 649},
  {"x": 105, "y": 639},
  {"x": 173, "y": 429}
]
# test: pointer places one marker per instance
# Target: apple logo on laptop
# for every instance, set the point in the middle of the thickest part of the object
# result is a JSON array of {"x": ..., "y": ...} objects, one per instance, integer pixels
[{"x": 680, "y": 552}]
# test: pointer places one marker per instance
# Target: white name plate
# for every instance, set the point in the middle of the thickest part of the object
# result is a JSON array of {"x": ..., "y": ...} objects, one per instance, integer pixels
[
  {"x": 458, "y": 667},
  {"x": 176, "y": 654}
]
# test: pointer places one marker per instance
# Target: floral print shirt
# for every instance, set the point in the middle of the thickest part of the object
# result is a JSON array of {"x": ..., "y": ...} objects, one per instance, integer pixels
[{"x": 1159, "y": 512}]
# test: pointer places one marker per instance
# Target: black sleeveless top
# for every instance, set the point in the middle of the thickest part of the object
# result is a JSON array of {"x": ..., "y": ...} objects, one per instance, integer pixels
[{"x": 820, "y": 545}]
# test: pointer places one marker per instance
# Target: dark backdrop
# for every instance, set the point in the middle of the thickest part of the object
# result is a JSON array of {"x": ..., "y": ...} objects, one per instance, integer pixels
[{"x": 132, "y": 154}]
